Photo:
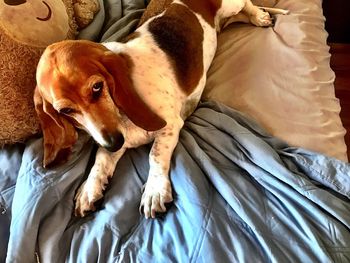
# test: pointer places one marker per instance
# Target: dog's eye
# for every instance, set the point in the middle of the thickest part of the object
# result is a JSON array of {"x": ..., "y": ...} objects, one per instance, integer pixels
[
  {"x": 97, "y": 89},
  {"x": 66, "y": 111}
]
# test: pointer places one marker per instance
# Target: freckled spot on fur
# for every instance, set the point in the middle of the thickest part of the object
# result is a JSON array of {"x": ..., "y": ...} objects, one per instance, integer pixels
[{"x": 155, "y": 150}]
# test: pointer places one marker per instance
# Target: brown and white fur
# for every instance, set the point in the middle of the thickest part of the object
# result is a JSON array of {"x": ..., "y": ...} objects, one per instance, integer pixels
[{"x": 129, "y": 94}]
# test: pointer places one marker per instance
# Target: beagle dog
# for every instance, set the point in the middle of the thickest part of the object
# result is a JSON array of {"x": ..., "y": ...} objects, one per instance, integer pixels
[{"x": 129, "y": 94}]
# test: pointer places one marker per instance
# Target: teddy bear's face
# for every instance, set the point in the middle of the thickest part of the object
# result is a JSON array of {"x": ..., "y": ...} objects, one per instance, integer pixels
[{"x": 34, "y": 22}]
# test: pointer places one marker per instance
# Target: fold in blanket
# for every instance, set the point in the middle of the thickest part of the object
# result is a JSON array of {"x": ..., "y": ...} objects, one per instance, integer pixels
[
  {"x": 115, "y": 20},
  {"x": 239, "y": 195}
]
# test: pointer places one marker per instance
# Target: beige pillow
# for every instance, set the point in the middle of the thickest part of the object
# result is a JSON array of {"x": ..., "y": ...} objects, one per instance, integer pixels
[{"x": 281, "y": 77}]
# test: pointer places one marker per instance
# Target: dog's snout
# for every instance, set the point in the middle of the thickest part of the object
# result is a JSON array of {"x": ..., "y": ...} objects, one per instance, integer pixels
[{"x": 114, "y": 141}]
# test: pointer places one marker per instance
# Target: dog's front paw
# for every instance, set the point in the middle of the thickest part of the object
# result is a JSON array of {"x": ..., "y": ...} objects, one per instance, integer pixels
[
  {"x": 157, "y": 192},
  {"x": 87, "y": 195},
  {"x": 261, "y": 18},
  {"x": 82, "y": 203}
]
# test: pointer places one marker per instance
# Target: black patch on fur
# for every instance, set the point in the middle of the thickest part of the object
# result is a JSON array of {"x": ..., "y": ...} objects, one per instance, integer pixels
[{"x": 179, "y": 34}]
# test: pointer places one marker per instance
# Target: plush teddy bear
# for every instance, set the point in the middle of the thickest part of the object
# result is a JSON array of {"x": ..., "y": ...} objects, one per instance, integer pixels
[{"x": 26, "y": 28}]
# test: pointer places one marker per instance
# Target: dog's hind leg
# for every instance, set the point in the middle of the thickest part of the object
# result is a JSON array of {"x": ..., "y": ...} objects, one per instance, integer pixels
[
  {"x": 259, "y": 16},
  {"x": 256, "y": 15}
]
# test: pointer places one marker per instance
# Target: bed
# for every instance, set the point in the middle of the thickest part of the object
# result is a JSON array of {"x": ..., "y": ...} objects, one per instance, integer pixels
[{"x": 260, "y": 173}]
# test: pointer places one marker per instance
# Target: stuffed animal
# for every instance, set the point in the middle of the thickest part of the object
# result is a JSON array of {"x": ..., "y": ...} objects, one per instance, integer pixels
[
  {"x": 26, "y": 28},
  {"x": 84, "y": 11}
]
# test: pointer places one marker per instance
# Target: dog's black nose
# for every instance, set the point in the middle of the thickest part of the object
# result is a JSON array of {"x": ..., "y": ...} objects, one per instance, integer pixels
[{"x": 114, "y": 141}]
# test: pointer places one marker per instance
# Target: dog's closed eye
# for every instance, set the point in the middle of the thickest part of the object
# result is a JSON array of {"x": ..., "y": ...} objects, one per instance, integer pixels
[{"x": 66, "y": 111}]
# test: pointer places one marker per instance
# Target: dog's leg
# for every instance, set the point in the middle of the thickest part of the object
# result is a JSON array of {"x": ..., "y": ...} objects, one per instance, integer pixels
[
  {"x": 244, "y": 18},
  {"x": 157, "y": 191},
  {"x": 92, "y": 189},
  {"x": 250, "y": 14},
  {"x": 275, "y": 11},
  {"x": 257, "y": 16}
]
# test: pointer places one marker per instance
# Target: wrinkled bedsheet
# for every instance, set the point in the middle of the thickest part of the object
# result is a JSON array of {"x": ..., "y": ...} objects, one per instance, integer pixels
[{"x": 239, "y": 195}]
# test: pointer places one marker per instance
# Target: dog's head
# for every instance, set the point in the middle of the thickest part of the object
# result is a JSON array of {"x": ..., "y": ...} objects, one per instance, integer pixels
[{"x": 81, "y": 84}]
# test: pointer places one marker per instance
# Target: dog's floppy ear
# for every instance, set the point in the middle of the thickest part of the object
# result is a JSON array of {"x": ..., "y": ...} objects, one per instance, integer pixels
[
  {"x": 125, "y": 96},
  {"x": 59, "y": 134}
]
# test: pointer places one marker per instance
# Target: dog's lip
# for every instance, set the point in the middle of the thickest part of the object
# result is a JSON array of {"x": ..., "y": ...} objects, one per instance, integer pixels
[{"x": 48, "y": 15}]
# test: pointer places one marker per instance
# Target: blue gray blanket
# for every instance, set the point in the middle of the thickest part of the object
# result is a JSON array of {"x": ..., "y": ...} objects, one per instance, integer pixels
[{"x": 240, "y": 195}]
